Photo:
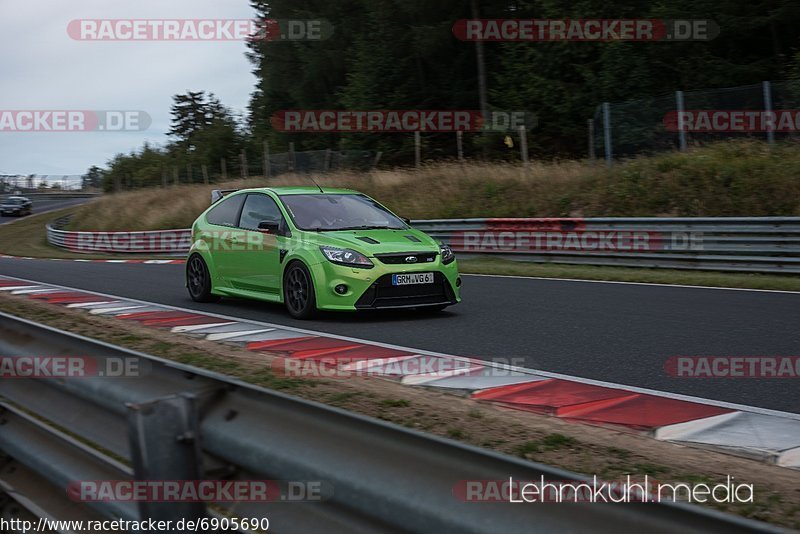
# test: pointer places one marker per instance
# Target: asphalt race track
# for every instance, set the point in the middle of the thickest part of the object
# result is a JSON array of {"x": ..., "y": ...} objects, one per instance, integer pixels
[
  {"x": 620, "y": 333},
  {"x": 47, "y": 205}
]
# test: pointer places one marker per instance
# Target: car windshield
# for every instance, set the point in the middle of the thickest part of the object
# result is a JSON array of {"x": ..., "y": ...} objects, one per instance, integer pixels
[
  {"x": 326, "y": 212},
  {"x": 14, "y": 201}
]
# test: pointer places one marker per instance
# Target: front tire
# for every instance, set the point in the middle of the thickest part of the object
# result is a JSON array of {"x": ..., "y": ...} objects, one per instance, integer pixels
[
  {"x": 198, "y": 280},
  {"x": 298, "y": 291}
]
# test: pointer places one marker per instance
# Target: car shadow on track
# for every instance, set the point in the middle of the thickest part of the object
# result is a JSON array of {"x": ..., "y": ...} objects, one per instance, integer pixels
[{"x": 270, "y": 312}]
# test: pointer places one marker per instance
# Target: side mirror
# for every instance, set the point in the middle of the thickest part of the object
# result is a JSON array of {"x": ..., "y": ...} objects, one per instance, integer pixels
[
  {"x": 406, "y": 220},
  {"x": 269, "y": 227}
]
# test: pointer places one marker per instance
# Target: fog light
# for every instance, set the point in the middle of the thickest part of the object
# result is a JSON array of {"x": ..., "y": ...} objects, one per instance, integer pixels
[
  {"x": 341, "y": 289},
  {"x": 458, "y": 282}
]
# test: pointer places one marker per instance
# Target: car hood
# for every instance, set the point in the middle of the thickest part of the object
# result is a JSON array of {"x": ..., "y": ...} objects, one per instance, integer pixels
[{"x": 371, "y": 242}]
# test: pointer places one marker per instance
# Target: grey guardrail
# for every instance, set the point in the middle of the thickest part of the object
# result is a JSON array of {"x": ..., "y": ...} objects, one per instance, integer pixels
[
  {"x": 747, "y": 244},
  {"x": 146, "y": 242},
  {"x": 52, "y": 196},
  {"x": 176, "y": 422}
]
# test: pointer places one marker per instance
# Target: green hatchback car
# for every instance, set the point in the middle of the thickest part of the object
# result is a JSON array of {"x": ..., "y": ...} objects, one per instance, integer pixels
[{"x": 316, "y": 249}]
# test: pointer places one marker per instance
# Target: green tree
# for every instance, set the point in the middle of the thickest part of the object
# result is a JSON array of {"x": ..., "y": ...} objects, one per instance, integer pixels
[{"x": 92, "y": 178}]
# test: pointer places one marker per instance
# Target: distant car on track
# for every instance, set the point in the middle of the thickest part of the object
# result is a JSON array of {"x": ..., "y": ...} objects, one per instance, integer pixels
[
  {"x": 16, "y": 205},
  {"x": 316, "y": 249}
]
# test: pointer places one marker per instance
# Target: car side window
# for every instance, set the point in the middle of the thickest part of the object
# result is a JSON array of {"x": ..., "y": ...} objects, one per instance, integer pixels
[
  {"x": 226, "y": 213},
  {"x": 258, "y": 208}
]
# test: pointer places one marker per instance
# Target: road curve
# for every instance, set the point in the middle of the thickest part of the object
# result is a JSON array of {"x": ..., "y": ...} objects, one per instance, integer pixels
[
  {"x": 40, "y": 206},
  {"x": 620, "y": 333}
]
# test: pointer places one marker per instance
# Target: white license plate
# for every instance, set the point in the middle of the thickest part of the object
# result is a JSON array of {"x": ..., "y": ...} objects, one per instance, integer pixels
[{"x": 412, "y": 278}]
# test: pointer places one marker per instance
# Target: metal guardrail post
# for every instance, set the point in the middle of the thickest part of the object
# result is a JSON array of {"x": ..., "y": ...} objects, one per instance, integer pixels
[{"x": 165, "y": 445}]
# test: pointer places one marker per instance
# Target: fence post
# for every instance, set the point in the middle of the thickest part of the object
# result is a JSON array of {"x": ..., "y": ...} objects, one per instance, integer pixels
[
  {"x": 175, "y": 175},
  {"x": 224, "y": 168},
  {"x": 417, "y": 150},
  {"x": 326, "y": 164},
  {"x": 607, "y": 133},
  {"x": 590, "y": 125},
  {"x": 243, "y": 164},
  {"x": 189, "y": 176},
  {"x": 681, "y": 130},
  {"x": 267, "y": 169},
  {"x": 163, "y": 176},
  {"x": 377, "y": 159},
  {"x": 523, "y": 144},
  {"x": 766, "y": 87},
  {"x": 460, "y": 145},
  {"x": 205, "y": 173}
]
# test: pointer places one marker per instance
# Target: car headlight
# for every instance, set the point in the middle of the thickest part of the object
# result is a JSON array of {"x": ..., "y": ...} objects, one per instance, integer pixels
[
  {"x": 346, "y": 256},
  {"x": 447, "y": 254}
]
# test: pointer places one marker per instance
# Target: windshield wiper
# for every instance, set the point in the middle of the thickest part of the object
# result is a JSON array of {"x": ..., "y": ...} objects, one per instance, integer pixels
[{"x": 368, "y": 227}]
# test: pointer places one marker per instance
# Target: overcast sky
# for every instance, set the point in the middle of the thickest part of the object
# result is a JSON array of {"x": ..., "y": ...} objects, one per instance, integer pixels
[{"x": 41, "y": 67}]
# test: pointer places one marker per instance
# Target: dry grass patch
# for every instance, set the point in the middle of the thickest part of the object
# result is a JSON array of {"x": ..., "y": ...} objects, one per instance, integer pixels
[{"x": 727, "y": 179}]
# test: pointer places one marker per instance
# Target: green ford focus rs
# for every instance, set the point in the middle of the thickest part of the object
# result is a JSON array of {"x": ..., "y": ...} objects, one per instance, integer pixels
[{"x": 316, "y": 249}]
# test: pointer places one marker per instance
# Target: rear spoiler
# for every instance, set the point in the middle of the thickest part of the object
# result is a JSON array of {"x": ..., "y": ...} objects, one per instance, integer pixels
[{"x": 217, "y": 194}]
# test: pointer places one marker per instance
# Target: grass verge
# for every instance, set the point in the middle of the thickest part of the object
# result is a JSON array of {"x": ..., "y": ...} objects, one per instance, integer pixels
[
  {"x": 28, "y": 237},
  {"x": 730, "y": 178},
  {"x": 630, "y": 274},
  {"x": 611, "y": 454}
]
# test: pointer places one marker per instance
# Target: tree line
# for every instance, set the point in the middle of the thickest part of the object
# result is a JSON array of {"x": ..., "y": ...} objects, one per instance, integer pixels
[{"x": 392, "y": 54}]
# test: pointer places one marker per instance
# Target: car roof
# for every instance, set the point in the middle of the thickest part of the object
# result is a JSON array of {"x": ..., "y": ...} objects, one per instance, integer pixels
[{"x": 301, "y": 190}]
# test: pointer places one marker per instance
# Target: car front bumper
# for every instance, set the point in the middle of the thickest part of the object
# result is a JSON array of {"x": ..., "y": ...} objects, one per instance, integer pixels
[{"x": 373, "y": 289}]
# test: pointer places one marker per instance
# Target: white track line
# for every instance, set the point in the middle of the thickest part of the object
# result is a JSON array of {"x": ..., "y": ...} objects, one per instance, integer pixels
[
  {"x": 655, "y": 284},
  {"x": 630, "y": 283},
  {"x": 548, "y": 374}
]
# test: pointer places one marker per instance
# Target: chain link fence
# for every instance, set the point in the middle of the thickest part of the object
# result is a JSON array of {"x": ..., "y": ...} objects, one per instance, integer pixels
[
  {"x": 30, "y": 183},
  {"x": 317, "y": 161},
  {"x": 247, "y": 164},
  {"x": 625, "y": 129}
]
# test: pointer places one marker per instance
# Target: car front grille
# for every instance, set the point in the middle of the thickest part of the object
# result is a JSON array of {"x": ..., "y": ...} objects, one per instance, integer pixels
[
  {"x": 405, "y": 258},
  {"x": 382, "y": 294}
]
